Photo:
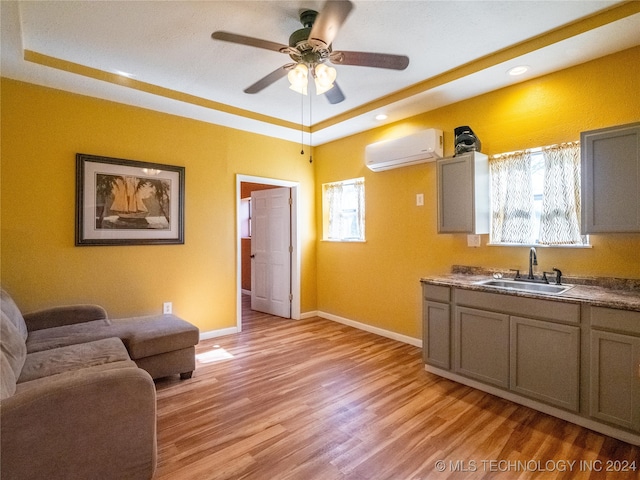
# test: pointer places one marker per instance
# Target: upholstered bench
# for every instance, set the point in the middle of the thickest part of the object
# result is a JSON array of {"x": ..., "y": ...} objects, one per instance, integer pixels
[{"x": 162, "y": 345}]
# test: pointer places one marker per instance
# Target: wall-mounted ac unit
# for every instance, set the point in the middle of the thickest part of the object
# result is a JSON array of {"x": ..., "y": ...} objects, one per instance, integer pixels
[{"x": 420, "y": 147}]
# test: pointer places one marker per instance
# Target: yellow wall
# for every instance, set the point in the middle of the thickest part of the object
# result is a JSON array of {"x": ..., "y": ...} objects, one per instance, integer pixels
[
  {"x": 377, "y": 282},
  {"x": 43, "y": 129},
  {"x": 374, "y": 282}
]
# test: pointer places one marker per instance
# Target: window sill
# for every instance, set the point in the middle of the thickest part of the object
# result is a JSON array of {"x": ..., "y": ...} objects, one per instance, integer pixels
[
  {"x": 330, "y": 240},
  {"x": 536, "y": 245}
]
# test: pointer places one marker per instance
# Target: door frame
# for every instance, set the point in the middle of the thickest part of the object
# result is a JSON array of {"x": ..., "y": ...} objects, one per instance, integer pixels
[{"x": 295, "y": 243}]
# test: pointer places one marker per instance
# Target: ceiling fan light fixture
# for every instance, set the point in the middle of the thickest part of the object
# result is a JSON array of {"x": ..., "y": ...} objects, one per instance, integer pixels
[
  {"x": 298, "y": 78},
  {"x": 324, "y": 77}
]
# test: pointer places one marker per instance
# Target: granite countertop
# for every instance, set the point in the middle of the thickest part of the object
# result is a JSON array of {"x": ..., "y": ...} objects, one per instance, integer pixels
[{"x": 622, "y": 294}]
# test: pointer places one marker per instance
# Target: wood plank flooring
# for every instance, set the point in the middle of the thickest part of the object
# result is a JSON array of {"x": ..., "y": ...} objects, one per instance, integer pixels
[{"x": 316, "y": 400}]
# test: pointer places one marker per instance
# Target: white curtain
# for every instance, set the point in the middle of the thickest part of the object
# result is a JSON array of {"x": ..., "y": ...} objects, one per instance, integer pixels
[
  {"x": 359, "y": 186},
  {"x": 560, "y": 219},
  {"x": 511, "y": 198},
  {"x": 346, "y": 210},
  {"x": 333, "y": 194}
]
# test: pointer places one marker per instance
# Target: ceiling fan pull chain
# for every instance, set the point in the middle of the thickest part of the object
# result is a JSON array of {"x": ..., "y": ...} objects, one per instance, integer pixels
[
  {"x": 310, "y": 132},
  {"x": 301, "y": 124}
]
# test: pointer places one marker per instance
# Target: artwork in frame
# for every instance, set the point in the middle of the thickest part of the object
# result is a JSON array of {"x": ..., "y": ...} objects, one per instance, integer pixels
[{"x": 128, "y": 202}]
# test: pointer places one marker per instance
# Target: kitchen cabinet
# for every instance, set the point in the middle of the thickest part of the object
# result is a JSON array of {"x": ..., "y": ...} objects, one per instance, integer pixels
[
  {"x": 566, "y": 357},
  {"x": 615, "y": 367},
  {"x": 481, "y": 342},
  {"x": 544, "y": 361},
  {"x": 436, "y": 331},
  {"x": 611, "y": 179},
  {"x": 492, "y": 338},
  {"x": 463, "y": 194},
  {"x": 436, "y": 334}
]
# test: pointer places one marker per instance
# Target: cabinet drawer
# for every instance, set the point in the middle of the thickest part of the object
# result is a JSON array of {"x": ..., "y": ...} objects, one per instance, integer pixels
[
  {"x": 547, "y": 309},
  {"x": 436, "y": 292},
  {"x": 610, "y": 318}
]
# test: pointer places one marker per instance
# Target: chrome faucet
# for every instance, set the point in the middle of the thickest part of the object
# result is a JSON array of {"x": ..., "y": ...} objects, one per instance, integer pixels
[{"x": 533, "y": 260}]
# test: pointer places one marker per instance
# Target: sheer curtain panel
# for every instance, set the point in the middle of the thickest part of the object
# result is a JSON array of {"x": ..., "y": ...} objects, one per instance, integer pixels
[
  {"x": 511, "y": 197},
  {"x": 560, "y": 218}
]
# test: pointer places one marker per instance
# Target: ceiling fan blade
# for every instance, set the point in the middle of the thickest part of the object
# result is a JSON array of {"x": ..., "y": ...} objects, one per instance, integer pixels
[
  {"x": 328, "y": 22},
  {"x": 250, "y": 41},
  {"x": 334, "y": 95},
  {"x": 269, "y": 79},
  {"x": 367, "y": 59}
]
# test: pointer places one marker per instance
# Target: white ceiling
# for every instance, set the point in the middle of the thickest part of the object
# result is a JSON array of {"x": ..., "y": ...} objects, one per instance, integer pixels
[{"x": 168, "y": 44}]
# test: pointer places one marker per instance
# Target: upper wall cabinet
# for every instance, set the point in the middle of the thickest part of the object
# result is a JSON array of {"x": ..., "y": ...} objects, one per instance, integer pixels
[
  {"x": 463, "y": 194},
  {"x": 611, "y": 179}
]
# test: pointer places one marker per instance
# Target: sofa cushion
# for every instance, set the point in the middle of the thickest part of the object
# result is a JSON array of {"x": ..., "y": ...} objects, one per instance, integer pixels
[
  {"x": 11, "y": 310},
  {"x": 80, "y": 373},
  {"x": 7, "y": 378},
  {"x": 13, "y": 351},
  {"x": 56, "y": 337},
  {"x": 72, "y": 357},
  {"x": 154, "y": 334}
]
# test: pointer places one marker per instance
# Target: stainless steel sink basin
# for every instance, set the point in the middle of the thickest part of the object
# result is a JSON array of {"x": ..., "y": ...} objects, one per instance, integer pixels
[{"x": 526, "y": 287}]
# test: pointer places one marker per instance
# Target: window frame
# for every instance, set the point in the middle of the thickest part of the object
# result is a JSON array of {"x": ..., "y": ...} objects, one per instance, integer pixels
[
  {"x": 326, "y": 213},
  {"x": 538, "y": 198}
]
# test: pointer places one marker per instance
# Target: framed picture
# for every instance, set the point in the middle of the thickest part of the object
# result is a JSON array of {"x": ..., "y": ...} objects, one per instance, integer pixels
[{"x": 127, "y": 202}]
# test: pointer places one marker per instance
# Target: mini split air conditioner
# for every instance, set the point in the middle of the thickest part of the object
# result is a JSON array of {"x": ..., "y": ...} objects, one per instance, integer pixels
[{"x": 420, "y": 147}]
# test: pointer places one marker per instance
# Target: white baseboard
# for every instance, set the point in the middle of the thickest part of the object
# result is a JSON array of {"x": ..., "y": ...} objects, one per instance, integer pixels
[
  {"x": 416, "y": 342},
  {"x": 218, "y": 333},
  {"x": 305, "y": 315}
]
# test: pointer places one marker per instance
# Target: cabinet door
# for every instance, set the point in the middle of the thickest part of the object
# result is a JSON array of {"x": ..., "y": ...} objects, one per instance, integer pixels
[
  {"x": 436, "y": 338},
  {"x": 455, "y": 195},
  {"x": 544, "y": 361},
  {"x": 611, "y": 179},
  {"x": 615, "y": 378},
  {"x": 481, "y": 343}
]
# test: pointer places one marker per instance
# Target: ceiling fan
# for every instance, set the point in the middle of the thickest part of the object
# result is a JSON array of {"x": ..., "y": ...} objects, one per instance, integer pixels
[{"x": 310, "y": 48}]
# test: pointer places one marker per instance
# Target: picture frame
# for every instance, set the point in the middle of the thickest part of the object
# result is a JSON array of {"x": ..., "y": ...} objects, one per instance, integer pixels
[{"x": 128, "y": 202}]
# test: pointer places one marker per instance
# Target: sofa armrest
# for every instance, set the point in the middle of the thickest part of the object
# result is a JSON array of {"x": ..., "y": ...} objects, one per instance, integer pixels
[
  {"x": 65, "y": 315},
  {"x": 90, "y": 425}
]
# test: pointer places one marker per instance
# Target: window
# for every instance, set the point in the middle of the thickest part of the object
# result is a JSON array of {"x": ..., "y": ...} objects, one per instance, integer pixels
[
  {"x": 343, "y": 210},
  {"x": 535, "y": 197},
  {"x": 245, "y": 217}
]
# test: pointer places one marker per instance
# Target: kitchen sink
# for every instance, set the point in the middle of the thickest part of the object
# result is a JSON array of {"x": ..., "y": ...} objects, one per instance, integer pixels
[{"x": 525, "y": 287}]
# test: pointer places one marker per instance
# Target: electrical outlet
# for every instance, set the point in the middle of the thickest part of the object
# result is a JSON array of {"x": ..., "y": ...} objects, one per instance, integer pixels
[
  {"x": 473, "y": 240},
  {"x": 167, "y": 307},
  {"x": 420, "y": 199}
]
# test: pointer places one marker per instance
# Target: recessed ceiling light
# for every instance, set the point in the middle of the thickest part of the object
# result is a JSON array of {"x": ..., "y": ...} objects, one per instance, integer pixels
[
  {"x": 381, "y": 116},
  {"x": 519, "y": 70},
  {"x": 124, "y": 74}
]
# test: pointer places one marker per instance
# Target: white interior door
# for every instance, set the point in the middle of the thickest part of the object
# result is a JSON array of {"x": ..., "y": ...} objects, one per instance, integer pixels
[{"x": 271, "y": 251}]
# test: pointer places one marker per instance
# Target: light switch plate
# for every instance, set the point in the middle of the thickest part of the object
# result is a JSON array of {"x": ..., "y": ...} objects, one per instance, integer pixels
[{"x": 420, "y": 199}]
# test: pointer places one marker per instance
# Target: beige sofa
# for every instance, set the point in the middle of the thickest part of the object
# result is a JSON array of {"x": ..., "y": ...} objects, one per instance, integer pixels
[{"x": 75, "y": 399}]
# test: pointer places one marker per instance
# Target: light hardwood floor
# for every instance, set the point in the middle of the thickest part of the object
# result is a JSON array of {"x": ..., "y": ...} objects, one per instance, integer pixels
[{"x": 317, "y": 400}]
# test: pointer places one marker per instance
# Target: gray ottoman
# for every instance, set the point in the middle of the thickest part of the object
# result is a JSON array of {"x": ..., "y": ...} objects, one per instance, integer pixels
[{"x": 162, "y": 345}]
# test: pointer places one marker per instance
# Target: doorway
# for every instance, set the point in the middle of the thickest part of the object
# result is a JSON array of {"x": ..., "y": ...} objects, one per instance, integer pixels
[{"x": 266, "y": 183}]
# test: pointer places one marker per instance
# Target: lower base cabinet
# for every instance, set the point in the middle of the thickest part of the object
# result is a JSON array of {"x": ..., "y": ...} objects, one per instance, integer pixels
[
  {"x": 581, "y": 361},
  {"x": 615, "y": 378},
  {"x": 544, "y": 362},
  {"x": 481, "y": 345},
  {"x": 436, "y": 334}
]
